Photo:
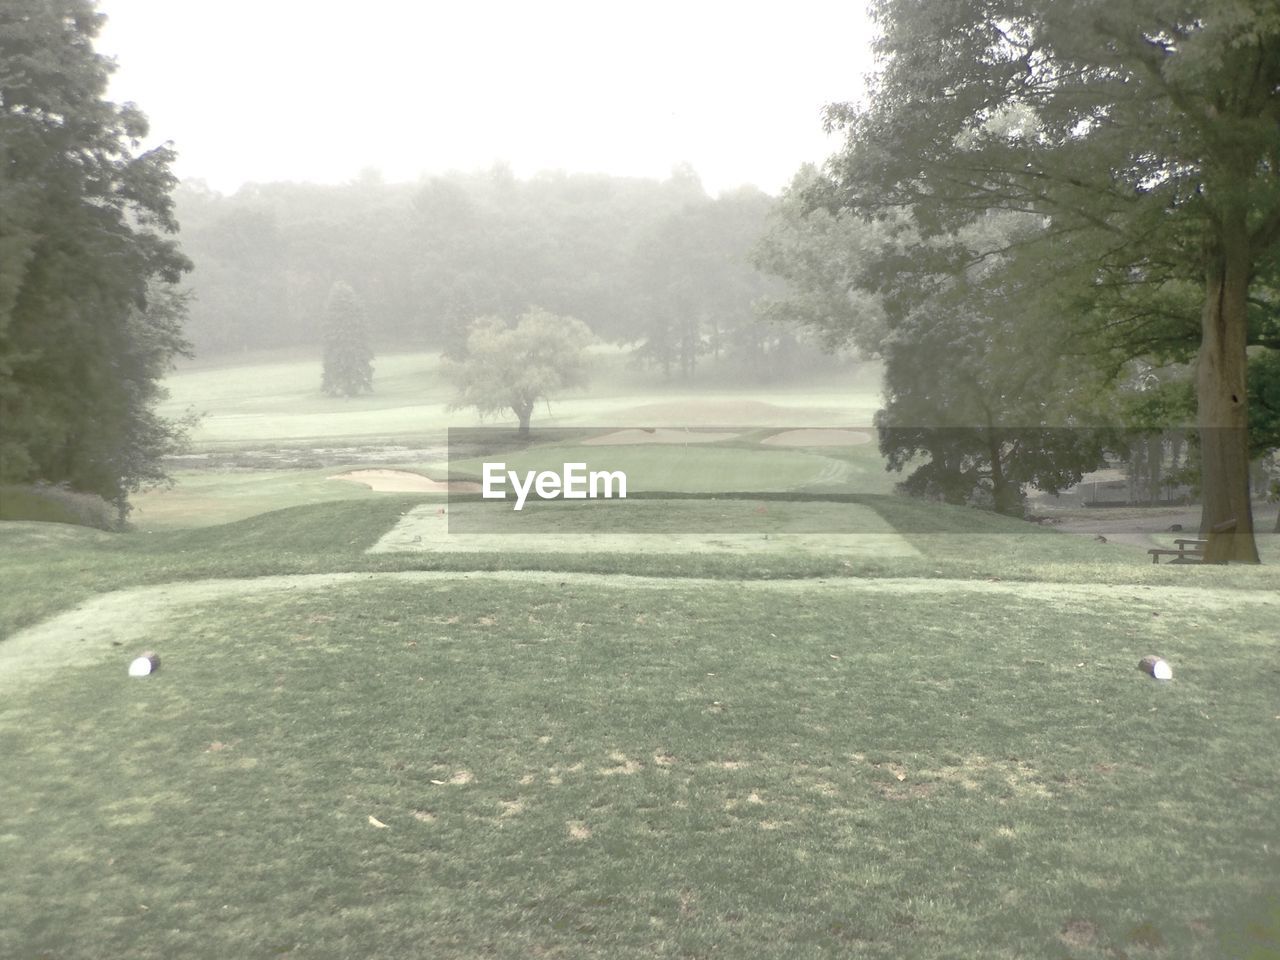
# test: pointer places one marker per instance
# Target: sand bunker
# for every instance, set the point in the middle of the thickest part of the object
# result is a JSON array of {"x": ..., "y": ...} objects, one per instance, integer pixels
[
  {"x": 659, "y": 435},
  {"x": 402, "y": 481},
  {"x": 819, "y": 438}
]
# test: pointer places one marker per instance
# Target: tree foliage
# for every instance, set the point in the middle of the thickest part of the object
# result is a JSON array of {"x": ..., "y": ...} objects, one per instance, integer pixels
[
  {"x": 654, "y": 264},
  {"x": 991, "y": 406},
  {"x": 1145, "y": 134},
  {"x": 511, "y": 368},
  {"x": 828, "y": 259},
  {"x": 697, "y": 288},
  {"x": 348, "y": 358},
  {"x": 982, "y": 397},
  {"x": 88, "y": 318}
]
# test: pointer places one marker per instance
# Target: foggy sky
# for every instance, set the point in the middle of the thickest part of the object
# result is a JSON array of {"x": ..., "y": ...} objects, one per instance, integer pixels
[{"x": 263, "y": 90}]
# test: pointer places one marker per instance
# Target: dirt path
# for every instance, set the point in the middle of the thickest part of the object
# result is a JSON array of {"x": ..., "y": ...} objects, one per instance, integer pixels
[{"x": 122, "y": 623}]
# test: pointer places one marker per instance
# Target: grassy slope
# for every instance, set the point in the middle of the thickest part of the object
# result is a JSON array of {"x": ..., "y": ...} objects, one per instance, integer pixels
[
  {"x": 669, "y": 770},
  {"x": 684, "y": 769},
  {"x": 50, "y": 567},
  {"x": 274, "y": 403},
  {"x": 280, "y": 403},
  {"x": 670, "y": 812},
  {"x": 203, "y": 498}
]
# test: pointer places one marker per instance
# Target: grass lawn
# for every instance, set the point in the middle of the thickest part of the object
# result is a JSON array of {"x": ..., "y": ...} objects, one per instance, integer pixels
[
  {"x": 207, "y": 497},
  {"x": 586, "y": 767},
  {"x": 202, "y": 498},
  {"x": 273, "y": 406},
  {"x": 279, "y": 402},
  {"x": 787, "y": 725},
  {"x": 945, "y": 754},
  {"x": 695, "y": 468}
]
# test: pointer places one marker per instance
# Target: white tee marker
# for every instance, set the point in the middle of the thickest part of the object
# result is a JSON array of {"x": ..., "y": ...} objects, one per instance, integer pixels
[
  {"x": 1157, "y": 667},
  {"x": 145, "y": 665}
]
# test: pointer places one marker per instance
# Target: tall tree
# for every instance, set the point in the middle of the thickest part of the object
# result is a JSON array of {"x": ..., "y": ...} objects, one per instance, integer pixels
[
  {"x": 88, "y": 323},
  {"x": 698, "y": 284},
  {"x": 348, "y": 358},
  {"x": 988, "y": 397},
  {"x": 976, "y": 378},
  {"x": 511, "y": 368},
  {"x": 1152, "y": 126},
  {"x": 829, "y": 261}
]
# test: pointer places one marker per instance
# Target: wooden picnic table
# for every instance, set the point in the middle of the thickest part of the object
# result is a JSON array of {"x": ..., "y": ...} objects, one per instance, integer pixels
[{"x": 1189, "y": 550}]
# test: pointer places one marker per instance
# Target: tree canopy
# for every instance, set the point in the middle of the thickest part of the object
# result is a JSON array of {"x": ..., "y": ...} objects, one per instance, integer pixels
[
  {"x": 656, "y": 264},
  {"x": 1143, "y": 134},
  {"x": 511, "y": 368},
  {"x": 89, "y": 321}
]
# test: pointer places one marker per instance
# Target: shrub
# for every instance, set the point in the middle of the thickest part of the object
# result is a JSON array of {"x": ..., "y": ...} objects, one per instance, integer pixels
[{"x": 57, "y": 504}]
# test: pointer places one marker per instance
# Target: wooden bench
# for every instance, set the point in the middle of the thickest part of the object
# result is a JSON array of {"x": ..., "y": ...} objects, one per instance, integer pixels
[{"x": 1189, "y": 551}]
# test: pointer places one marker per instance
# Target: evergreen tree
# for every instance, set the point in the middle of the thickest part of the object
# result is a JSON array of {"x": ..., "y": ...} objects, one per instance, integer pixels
[
  {"x": 89, "y": 322},
  {"x": 348, "y": 359}
]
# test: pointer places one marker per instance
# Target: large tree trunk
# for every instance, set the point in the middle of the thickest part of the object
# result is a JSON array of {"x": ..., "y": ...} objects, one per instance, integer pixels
[
  {"x": 1007, "y": 495},
  {"x": 1155, "y": 466},
  {"x": 1222, "y": 400},
  {"x": 523, "y": 410}
]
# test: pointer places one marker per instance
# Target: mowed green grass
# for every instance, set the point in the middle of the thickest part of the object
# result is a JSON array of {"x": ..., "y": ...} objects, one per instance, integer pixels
[
  {"x": 212, "y": 496},
  {"x": 544, "y": 751},
  {"x": 278, "y": 401},
  {"x": 466, "y": 766},
  {"x": 275, "y": 404},
  {"x": 202, "y": 498},
  {"x": 49, "y": 567},
  {"x": 696, "y": 468}
]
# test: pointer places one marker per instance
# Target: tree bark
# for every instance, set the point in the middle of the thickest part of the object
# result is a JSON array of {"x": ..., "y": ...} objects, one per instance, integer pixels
[
  {"x": 1155, "y": 466},
  {"x": 524, "y": 411},
  {"x": 1222, "y": 415},
  {"x": 1007, "y": 496}
]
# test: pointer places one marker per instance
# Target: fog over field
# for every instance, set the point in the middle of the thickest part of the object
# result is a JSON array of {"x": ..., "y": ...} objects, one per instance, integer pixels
[
  {"x": 321, "y": 92},
  {"x": 639, "y": 480}
]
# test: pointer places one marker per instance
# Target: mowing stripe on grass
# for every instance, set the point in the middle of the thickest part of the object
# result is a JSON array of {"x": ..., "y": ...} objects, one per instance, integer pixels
[
  {"x": 109, "y": 624},
  {"x": 644, "y": 526}
]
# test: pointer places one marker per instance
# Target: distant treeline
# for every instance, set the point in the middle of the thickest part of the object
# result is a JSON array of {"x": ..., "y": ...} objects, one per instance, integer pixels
[{"x": 656, "y": 264}]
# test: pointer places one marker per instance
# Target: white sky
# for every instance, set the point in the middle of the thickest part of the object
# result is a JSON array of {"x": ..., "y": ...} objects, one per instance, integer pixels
[{"x": 316, "y": 90}]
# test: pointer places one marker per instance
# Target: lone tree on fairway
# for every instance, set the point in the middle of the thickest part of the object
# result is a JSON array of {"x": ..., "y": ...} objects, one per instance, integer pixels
[
  {"x": 1149, "y": 130},
  {"x": 512, "y": 368},
  {"x": 348, "y": 360},
  {"x": 89, "y": 317}
]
